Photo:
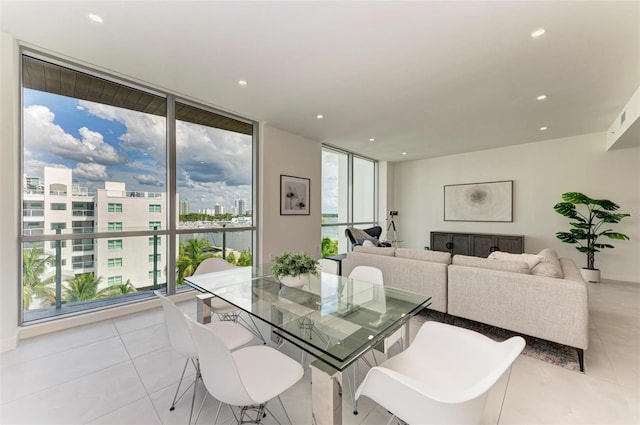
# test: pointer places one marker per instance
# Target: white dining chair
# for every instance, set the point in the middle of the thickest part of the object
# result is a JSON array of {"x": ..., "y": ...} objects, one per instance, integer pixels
[
  {"x": 328, "y": 266},
  {"x": 443, "y": 377},
  {"x": 372, "y": 275},
  {"x": 232, "y": 335},
  {"x": 247, "y": 378},
  {"x": 223, "y": 309}
]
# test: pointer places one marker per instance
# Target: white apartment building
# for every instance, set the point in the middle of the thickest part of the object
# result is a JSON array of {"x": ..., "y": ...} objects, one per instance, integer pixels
[{"x": 56, "y": 203}]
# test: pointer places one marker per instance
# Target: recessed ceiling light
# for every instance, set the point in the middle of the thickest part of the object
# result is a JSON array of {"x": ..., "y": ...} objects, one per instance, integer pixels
[
  {"x": 404, "y": 153},
  {"x": 537, "y": 33},
  {"x": 544, "y": 128},
  {"x": 372, "y": 139},
  {"x": 319, "y": 116},
  {"x": 242, "y": 83},
  {"x": 95, "y": 18},
  {"x": 541, "y": 97}
]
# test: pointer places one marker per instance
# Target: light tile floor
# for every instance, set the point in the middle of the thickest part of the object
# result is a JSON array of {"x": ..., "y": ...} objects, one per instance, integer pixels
[{"x": 123, "y": 371}]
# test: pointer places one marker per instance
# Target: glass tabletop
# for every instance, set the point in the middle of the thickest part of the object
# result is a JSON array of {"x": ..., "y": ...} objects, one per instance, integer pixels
[{"x": 334, "y": 318}]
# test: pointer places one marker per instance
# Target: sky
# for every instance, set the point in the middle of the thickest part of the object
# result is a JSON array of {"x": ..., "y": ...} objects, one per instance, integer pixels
[{"x": 104, "y": 143}]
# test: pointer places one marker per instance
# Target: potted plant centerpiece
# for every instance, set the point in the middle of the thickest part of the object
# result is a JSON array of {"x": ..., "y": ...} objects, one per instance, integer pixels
[
  {"x": 294, "y": 269},
  {"x": 587, "y": 225}
]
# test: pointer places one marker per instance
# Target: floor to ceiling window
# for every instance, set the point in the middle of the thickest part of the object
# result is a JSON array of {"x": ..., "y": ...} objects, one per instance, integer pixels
[
  {"x": 349, "y": 197},
  {"x": 125, "y": 190}
]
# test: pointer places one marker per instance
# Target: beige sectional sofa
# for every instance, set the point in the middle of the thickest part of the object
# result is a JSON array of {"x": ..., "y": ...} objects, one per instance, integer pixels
[
  {"x": 415, "y": 270},
  {"x": 544, "y": 298},
  {"x": 552, "y": 308}
]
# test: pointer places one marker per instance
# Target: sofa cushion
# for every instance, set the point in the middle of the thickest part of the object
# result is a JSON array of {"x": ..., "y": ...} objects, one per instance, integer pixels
[
  {"x": 550, "y": 265},
  {"x": 485, "y": 263},
  {"x": 424, "y": 255},
  {"x": 388, "y": 251},
  {"x": 530, "y": 259}
]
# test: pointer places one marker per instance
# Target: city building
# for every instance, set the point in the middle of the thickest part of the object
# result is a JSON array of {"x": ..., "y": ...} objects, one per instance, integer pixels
[{"x": 54, "y": 204}]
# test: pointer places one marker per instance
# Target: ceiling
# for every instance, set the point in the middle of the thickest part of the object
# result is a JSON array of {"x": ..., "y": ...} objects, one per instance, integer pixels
[{"x": 426, "y": 78}]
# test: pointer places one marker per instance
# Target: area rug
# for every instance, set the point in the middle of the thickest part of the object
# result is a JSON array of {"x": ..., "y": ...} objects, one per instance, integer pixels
[{"x": 550, "y": 352}]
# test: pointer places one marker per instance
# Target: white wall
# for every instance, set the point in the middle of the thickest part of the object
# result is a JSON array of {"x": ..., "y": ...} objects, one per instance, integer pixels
[
  {"x": 286, "y": 153},
  {"x": 8, "y": 182},
  {"x": 541, "y": 173}
]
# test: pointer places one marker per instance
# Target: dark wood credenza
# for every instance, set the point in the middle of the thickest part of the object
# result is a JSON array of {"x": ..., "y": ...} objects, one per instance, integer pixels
[{"x": 476, "y": 244}]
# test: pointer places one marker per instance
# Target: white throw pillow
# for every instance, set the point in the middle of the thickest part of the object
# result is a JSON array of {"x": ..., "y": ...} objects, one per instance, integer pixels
[
  {"x": 531, "y": 259},
  {"x": 368, "y": 243}
]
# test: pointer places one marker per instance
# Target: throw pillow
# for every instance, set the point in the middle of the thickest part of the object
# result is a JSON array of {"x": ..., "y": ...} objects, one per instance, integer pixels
[
  {"x": 530, "y": 259},
  {"x": 550, "y": 266}
]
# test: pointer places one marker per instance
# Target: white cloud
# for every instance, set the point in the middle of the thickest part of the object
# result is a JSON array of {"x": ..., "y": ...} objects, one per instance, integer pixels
[
  {"x": 42, "y": 134},
  {"x": 144, "y": 132},
  {"x": 91, "y": 171},
  {"x": 148, "y": 180}
]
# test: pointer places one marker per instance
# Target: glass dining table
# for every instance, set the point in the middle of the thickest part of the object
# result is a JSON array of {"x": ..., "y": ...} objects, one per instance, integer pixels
[{"x": 333, "y": 318}]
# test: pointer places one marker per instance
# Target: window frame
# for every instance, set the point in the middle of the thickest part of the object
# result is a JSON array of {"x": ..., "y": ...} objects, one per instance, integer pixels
[
  {"x": 171, "y": 214},
  {"x": 350, "y": 222}
]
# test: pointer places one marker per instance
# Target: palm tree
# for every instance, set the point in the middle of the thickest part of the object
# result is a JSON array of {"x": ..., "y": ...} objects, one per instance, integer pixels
[
  {"x": 190, "y": 256},
  {"x": 82, "y": 287},
  {"x": 119, "y": 289},
  {"x": 34, "y": 263}
]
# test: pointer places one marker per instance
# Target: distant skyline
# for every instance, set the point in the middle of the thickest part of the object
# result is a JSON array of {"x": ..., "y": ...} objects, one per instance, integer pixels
[{"x": 105, "y": 143}]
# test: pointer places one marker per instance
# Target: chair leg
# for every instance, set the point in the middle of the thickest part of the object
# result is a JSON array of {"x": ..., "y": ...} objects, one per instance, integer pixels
[
  {"x": 195, "y": 389},
  {"x": 285, "y": 411},
  {"x": 175, "y": 397},
  {"x": 252, "y": 327}
]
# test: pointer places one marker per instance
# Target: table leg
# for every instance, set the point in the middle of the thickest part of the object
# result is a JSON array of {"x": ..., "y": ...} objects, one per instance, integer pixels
[
  {"x": 203, "y": 308},
  {"x": 326, "y": 400}
]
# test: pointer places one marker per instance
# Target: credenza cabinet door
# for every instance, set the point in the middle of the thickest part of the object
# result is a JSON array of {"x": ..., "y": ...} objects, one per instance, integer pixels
[{"x": 476, "y": 244}]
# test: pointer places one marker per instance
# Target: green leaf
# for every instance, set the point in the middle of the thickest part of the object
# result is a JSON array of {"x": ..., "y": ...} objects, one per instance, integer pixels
[
  {"x": 605, "y": 203},
  {"x": 566, "y": 237},
  {"x": 586, "y": 249},
  {"x": 576, "y": 198},
  {"x": 603, "y": 245},
  {"x": 615, "y": 235},
  {"x": 566, "y": 209}
]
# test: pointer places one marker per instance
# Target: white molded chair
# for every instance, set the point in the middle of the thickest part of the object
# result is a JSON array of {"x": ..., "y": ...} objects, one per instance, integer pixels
[
  {"x": 248, "y": 377},
  {"x": 443, "y": 377},
  {"x": 367, "y": 274},
  {"x": 372, "y": 275},
  {"x": 232, "y": 335},
  {"x": 223, "y": 309},
  {"x": 328, "y": 266}
]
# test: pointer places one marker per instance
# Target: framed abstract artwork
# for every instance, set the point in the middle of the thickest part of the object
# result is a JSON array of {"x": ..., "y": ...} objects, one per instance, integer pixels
[
  {"x": 490, "y": 201},
  {"x": 294, "y": 195}
]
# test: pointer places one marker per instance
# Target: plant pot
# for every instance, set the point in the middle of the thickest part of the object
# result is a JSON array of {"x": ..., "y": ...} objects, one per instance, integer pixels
[
  {"x": 590, "y": 275},
  {"x": 296, "y": 281}
]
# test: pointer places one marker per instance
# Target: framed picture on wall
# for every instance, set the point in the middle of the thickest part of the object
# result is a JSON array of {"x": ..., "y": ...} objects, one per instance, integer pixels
[
  {"x": 490, "y": 201},
  {"x": 294, "y": 195}
]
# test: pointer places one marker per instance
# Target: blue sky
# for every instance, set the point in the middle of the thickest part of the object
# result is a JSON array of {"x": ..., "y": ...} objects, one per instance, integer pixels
[{"x": 100, "y": 142}]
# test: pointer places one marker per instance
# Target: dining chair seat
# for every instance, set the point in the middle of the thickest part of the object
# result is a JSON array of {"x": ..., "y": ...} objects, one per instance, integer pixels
[
  {"x": 246, "y": 378},
  {"x": 231, "y": 334}
]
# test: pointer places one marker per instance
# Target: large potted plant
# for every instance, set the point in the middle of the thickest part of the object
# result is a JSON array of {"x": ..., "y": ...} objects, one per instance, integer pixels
[
  {"x": 588, "y": 218},
  {"x": 294, "y": 269}
]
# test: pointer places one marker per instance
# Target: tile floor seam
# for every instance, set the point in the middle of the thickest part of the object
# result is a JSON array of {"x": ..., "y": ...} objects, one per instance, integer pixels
[
  {"x": 133, "y": 363},
  {"x": 121, "y": 407},
  {"x": 41, "y": 390},
  {"x": 19, "y": 362}
]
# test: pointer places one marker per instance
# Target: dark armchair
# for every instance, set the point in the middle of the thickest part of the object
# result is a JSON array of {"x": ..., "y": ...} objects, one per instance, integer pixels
[{"x": 356, "y": 236}]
